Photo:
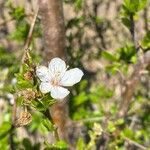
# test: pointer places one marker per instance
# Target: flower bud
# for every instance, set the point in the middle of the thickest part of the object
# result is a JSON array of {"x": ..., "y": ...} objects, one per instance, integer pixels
[
  {"x": 28, "y": 75},
  {"x": 28, "y": 95},
  {"x": 24, "y": 119}
]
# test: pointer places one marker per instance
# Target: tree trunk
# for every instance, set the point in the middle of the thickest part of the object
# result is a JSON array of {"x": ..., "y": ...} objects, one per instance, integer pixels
[{"x": 51, "y": 12}]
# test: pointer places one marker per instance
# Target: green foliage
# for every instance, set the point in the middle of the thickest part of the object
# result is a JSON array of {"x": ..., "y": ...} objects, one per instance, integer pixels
[
  {"x": 108, "y": 56},
  {"x": 133, "y": 6},
  {"x": 44, "y": 103},
  {"x": 6, "y": 60},
  {"x": 76, "y": 3},
  {"x": 129, "y": 10},
  {"x": 145, "y": 43},
  {"x": 5, "y": 128},
  {"x": 21, "y": 32},
  {"x": 18, "y": 13},
  {"x": 60, "y": 145},
  {"x": 127, "y": 53}
]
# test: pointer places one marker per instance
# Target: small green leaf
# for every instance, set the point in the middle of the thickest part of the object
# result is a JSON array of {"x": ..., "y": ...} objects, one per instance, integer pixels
[
  {"x": 133, "y": 6},
  {"x": 145, "y": 43},
  {"x": 4, "y": 129},
  {"x": 48, "y": 124},
  {"x": 111, "y": 126},
  {"x": 80, "y": 99},
  {"x": 27, "y": 144},
  {"x": 109, "y": 56},
  {"x": 47, "y": 100},
  {"x": 126, "y": 22},
  {"x": 18, "y": 13},
  {"x": 60, "y": 145},
  {"x": 78, "y": 4},
  {"x": 80, "y": 144},
  {"x": 119, "y": 121}
]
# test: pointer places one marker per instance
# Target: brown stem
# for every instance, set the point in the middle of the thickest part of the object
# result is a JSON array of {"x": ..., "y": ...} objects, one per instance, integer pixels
[
  {"x": 132, "y": 30},
  {"x": 29, "y": 38}
]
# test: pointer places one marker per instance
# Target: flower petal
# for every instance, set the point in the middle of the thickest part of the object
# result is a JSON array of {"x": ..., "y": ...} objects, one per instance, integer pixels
[
  {"x": 57, "y": 67},
  {"x": 45, "y": 87},
  {"x": 43, "y": 73},
  {"x": 58, "y": 92},
  {"x": 71, "y": 77}
]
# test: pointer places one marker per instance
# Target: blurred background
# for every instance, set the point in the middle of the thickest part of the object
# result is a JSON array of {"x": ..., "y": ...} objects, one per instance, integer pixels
[{"x": 110, "y": 41}]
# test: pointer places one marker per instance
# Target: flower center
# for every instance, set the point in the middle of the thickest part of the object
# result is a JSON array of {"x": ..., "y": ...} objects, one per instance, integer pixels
[
  {"x": 55, "y": 82},
  {"x": 56, "y": 79}
]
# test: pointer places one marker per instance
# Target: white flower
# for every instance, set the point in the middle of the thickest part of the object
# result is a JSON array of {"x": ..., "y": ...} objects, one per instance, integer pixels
[{"x": 56, "y": 76}]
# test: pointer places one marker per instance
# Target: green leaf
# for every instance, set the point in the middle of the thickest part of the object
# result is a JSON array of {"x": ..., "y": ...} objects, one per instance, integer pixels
[
  {"x": 78, "y": 4},
  {"x": 23, "y": 84},
  {"x": 109, "y": 56},
  {"x": 145, "y": 43},
  {"x": 46, "y": 123},
  {"x": 133, "y": 6},
  {"x": 128, "y": 133},
  {"x": 111, "y": 126},
  {"x": 80, "y": 99},
  {"x": 27, "y": 144},
  {"x": 83, "y": 85},
  {"x": 47, "y": 100},
  {"x": 4, "y": 129},
  {"x": 21, "y": 32},
  {"x": 80, "y": 144},
  {"x": 142, "y": 4},
  {"x": 126, "y": 22},
  {"x": 60, "y": 145},
  {"x": 44, "y": 103},
  {"x": 119, "y": 121},
  {"x": 18, "y": 13},
  {"x": 127, "y": 52}
]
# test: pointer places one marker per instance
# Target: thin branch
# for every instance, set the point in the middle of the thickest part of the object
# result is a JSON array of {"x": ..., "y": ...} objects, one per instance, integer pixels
[
  {"x": 29, "y": 38},
  {"x": 136, "y": 144},
  {"x": 146, "y": 19},
  {"x": 94, "y": 119},
  {"x": 99, "y": 28},
  {"x": 142, "y": 147},
  {"x": 131, "y": 83},
  {"x": 132, "y": 29}
]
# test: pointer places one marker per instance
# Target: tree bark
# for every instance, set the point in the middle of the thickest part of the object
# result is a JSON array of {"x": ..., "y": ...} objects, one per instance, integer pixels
[{"x": 51, "y": 12}]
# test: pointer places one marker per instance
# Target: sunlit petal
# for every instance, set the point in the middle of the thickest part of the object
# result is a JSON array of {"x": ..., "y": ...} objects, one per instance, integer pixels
[
  {"x": 58, "y": 92},
  {"x": 57, "y": 67},
  {"x": 45, "y": 87},
  {"x": 71, "y": 77},
  {"x": 43, "y": 73}
]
